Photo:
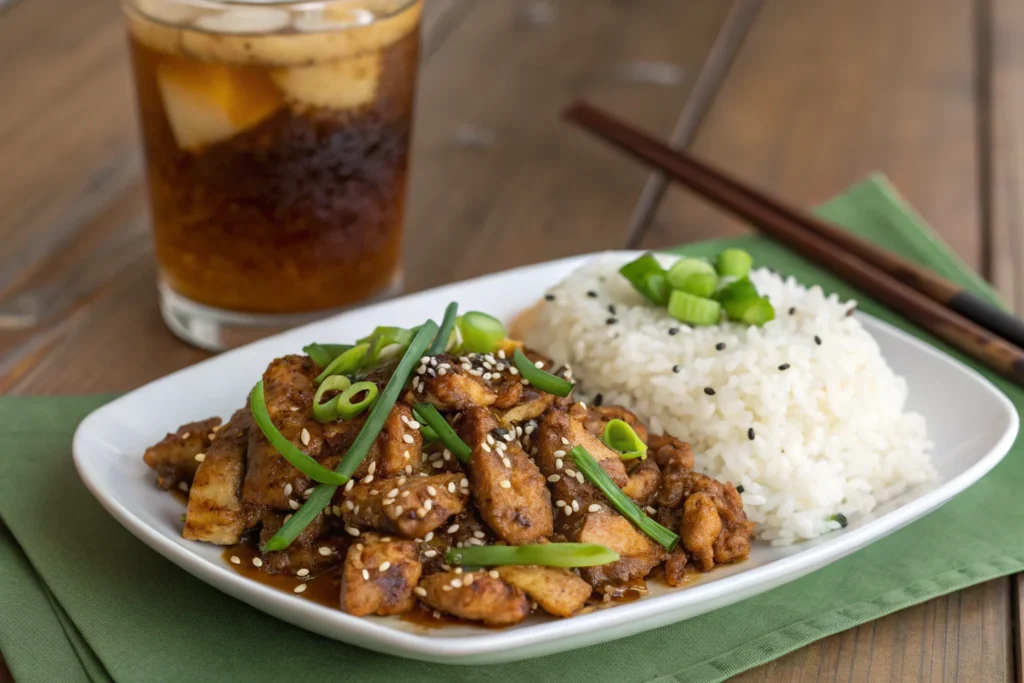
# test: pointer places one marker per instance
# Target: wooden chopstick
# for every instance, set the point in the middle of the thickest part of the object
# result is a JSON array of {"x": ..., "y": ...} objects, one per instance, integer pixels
[{"x": 859, "y": 263}]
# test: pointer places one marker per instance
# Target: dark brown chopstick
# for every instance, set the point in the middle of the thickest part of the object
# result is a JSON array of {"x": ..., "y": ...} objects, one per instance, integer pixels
[{"x": 872, "y": 270}]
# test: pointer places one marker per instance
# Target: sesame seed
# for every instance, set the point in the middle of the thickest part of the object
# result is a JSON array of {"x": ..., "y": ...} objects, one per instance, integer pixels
[
  {"x": 408, "y": 469},
  {"x": 352, "y": 531},
  {"x": 565, "y": 441},
  {"x": 413, "y": 424},
  {"x": 485, "y": 448},
  {"x": 611, "y": 321},
  {"x": 235, "y": 560},
  {"x": 257, "y": 562},
  {"x": 784, "y": 366},
  {"x": 393, "y": 493},
  {"x": 324, "y": 550},
  {"x": 446, "y": 588},
  {"x": 750, "y": 433},
  {"x": 451, "y": 487},
  {"x": 186, "y": 435},
  {"x": 456, "y": 583},
  {"x": 720, "y": 346},
  {"x": 304, "y": 436},
  {"x": 709, "y": 391},
  {"x": 350, "y": 484},
  {"x": 367, "y": 479},
  {"x": 558, "y": 464},
  {"x": 464, "y": 483},
  {"x": 430, "y": 553},
  {"x": 300, "y": 588},
  {"x": 575, "y": 505},
  {"x": 579, "y": 477},
  {"x": 569, "y": 473},
  {"x": 183, "y": 486},
  {"x": 493, "y": 573},
  {"x": 792, "y": 310},
  {"x": 559, "y": 503},
  {"x": 594, "y": 507},
  {"x": 458, "y": 570},
  {"x": 307, "y": 493},
  {"x": 287, "y": 517},
  {"x": 407, "y": 438},
  {"x": 302, "y": 572},
  {"x": 505, "y": 484},
  {"x": 549, "y": 297},
  {"x": 559, "y": 454},
  {"x": 431, "y": 490},
  {"x": 677, "y": 369},
  {"x": 467, "y": 580},
  {"x": 293, "y": 504},
  {"x": 478, "y": 534},
  {"x": 200, "y": 457},
  {"x": 288, "y": 490},
  {"x": 428, "y": 504},
  {"x": 453, "y": 528},
  {"x": 336, "y": 509},
  {"x": 651, "y": 510},
  {"x": 540, "y": 364},
  {"x": 420, "y": 590},
  {"x": 384, "y": 566},
  {"x": 592, "y": 294},
  {"x": 350, "y": 505},
  {"x": 672, "y": 331},
  {"x": 366, "y": 575},
  {"x": 399, "y": 510},
  {"x": 553, "y": 478}
]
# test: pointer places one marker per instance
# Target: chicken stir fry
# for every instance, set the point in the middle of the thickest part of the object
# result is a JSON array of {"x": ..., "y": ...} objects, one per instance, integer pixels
[{"x": 463, "y": 480}]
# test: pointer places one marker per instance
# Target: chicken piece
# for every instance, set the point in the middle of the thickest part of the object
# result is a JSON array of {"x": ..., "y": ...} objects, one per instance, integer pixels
[
  {"x": 174, "y": 457},
  {"x": 304, "y": 551},
  {"x": 410, "y": 507},
  {"x": 733, "y": 543},
  {"x": 638, "y": 555},
  {"x": 476, "y": 596},
  {"x": 558, "y": 591},
  {"x": 270, "y": 480},
  {"x": 644, "y": 481},
  {"x": 215, "y": 513},
  {"x": 598, "y": 418},
  {"x": 456, "y": 389},
  {"x": 675, "y": 459},
  {"x": 700, "y": 528},
  {"x": 379, "y": 576},
  {"x": 675, "y": 568},
  {"x": 531, "y": 404},
  {"x": 508, "y": 489},
  {"x": 400, "y": 445}
]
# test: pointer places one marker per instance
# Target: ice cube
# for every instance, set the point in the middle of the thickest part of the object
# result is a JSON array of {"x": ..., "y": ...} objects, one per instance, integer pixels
[
  {"x": 340, "y": 84},
  {"x": 332, "y": 19},
  {"x": 208, "y": 103},
  {"x": 245, "y": 20}
]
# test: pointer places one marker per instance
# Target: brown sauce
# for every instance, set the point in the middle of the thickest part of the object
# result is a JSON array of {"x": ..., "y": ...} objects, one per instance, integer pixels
[{"x": 323, "y": 589}]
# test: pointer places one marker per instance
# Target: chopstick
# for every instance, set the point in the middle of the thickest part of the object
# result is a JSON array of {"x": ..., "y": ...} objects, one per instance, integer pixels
[{"x": 920, "y": 296}]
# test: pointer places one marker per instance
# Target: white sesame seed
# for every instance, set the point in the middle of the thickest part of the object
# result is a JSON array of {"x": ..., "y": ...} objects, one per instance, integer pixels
[
  {"x": 428, "y": 504},
  {"x": 384, "y": 566},
  {"x": 529, "y": 429},
  {"x": 425, "y": 359},
  {"x": 288, "y": 490},
  {"x": 385, "y": 539},
  {"x": 420, "y": 590},
  {"x": 302, "y": 572},
  {"x": 583, "y": 405},
  {"x": 442, "y": 372},
  {"x": 451, "y": 487},
  {"x": 446, "y": 588},
  {"x": 401, "y": 481},
  {"x": 405, "y": 494},
  {"x": 183, "y": 486},
  {"x": 293, "y": 504},
  {"x": 540, "y": 364},
  {"x": 405, "y": 455},
  {"x": 525, "y": 382},
  {"x": 519, "y": 430},
  {"x": 565, "y": 441},
  {"x": 501, "y": 446},
  {"x": 464, "y": 483},
  {"x": 458, "y": 570},
  {"x": 186, "y": 435},
  {"x": 506, "y": 462},
  {"x": 453, "y": 528},
  {"x": 352, "y": 531},
  {"x": 257, "y": 562},
  {"x": 399, "y": 510},
  {"x": 350, "y": 484},
  {"x": 413, "y": 424},
  {"x": 559, "y": 454},
  {"x": 430, "y": 553},
  {"x": 505, "y": 484},
  {"x": 300, "y": 588},
  {"x": 235, "y": 559},
  {"x": 366, "y": 575},
  {"x": 367, "y": 479},
  {"x": 421, "y": 513},
  {"x": 431, "y": 490},
  {"x": 567, "y": 510},
  {"x": 350, "y": 505},
  {"x": 307, "y": 493},
  {"x": 513, "y": 371},
  {"x": 594, "y": 507},
  {"x": 569, "y": 472},
  {"x": 456, "y": 583},
  {"x": 478, "y": 534},
  {"x": 304, "y": 436},
  {"x": 408, "y": 469},
  {"x": 467, "y": 580},
  {"x": 490, "y": 439},
  {"x": 558, "y": 464},
  {"x": 579, "y": 477},
  {"x": 336, "y": 509},
  {"x": 501, "y": 354},
  {"x": 359, "y": 547},
  {"x": 575, "y": 505},
  {"x": 393, "y": 493},
  {"x": 324, "y": 550},
  {"x": 437, "y": 464},
  {"x": 407, "y": 438},
  {"x": 200, "y": 457},
  {"x": 446, "y": 455},
  {"x": 553, "y": 478},
  {"x": 559, "y": 503},
  {"x": 372, "y": 468},
  {"x": 493, "y": 573},
  {"x": 485, "y": 448}
]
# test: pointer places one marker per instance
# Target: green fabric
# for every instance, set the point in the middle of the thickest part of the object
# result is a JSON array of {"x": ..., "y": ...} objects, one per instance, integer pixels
[{"x": 121, "y": 610}]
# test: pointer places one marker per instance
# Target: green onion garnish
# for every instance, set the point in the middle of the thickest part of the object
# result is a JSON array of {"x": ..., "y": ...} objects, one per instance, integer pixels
[
  {"x": 326, "y": 412},
  {"x": 428, "y": 414},
  {"x": 838, "y": 517},
  {"x": 684, "y": 268},
  {"x": 619, "y": 436},
  {"x": 648, "y": 277},
  {"x": 694, "y": 310},
  {"x": 593, "y": 472},
  {"x": 541, "y": 379},
  {"x": 543, "y": 554},
  {"x": 289, "y": 451},
  {"x": 321, "y": 495},
  {"x": 346, "y": 363},
  {"x": 757, "y": 312},
  {"x": 347, "y": 409},
  {"x": 481, "y": 333},
  {"x": 394, "y": 340},
  {"x": 323, "y": 354},
  {"x": 440, "y": 343},
  {"x": 700, "y": 284},
  {"x": 734, "y": 263}
]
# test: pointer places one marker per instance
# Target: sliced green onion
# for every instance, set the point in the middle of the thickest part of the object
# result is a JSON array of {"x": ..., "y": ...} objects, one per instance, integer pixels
[
  {"x": 289, "y": 451},
  {"x": 481, "y": 333},
  {"x": 542, "y": 554},
  {"x": 428, "y": 414},
  {"x": 734, "y": 263},
  {"x": 739, "y": 290},
  {"x": 428, "y": 434},
  {"x": 440, "y": 343},
  {"x": 321, "y": 495},
  {"x": 541, "y": 379},
  {"x": 385, "y": 342},
  {"x": 346, "y": 409},
  {"x": 345, "y": 364},
  {"x": 593, "y": 472},
  {"x": 619, "y": 436},
  {"x": 757, "y": 312},
  {"x": 700, "y": 284},
  {"x": 694, "y": 310},
  {"x": 326, "y": 412},
  {"x": 647, "y": 277},
  {"x": 682, "y": 269},
  {"x": 323, "y": 354}
]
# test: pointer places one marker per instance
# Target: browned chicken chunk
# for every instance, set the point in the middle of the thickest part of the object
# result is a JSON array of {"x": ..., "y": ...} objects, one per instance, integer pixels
[
  {"x": 456, "y": 389},
  {"x": 379, "y": 576},
  {"x": 675, "y": 459},
  {"x": 174, "y": 457},
  {"x": 733, "y": 543},
  {"x": 644, "y": 481},
  {"x": 401, "y": 444},
  {"x": 638, "y": 555},
  {"x": 476, "y": 596},
  {"x": 700, "y": 528},
  {"x": 507, "y": 487},
  {"x": 215, "y": 513},
  {"x": 558, "y": 591},
  {"x": 531, "y": 404},
  {"x": 410, "y": 507},
  {"x": 303, "y": 553},
  {"x": 599, "y": 416}
]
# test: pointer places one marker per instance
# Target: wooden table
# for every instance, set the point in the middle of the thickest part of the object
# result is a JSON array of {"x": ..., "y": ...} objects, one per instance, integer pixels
[{"x": 821, "y": 93}]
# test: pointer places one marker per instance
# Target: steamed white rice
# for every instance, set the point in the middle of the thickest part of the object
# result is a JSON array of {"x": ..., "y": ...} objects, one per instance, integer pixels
[{"x": 831, "y": 433}]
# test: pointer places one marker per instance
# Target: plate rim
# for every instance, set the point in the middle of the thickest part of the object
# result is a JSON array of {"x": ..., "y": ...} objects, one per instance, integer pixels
[{"x": 374, "y": 635}]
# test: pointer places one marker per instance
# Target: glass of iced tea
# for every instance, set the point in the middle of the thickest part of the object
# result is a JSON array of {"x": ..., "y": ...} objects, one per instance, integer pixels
[{"x": 276, "y": 140}]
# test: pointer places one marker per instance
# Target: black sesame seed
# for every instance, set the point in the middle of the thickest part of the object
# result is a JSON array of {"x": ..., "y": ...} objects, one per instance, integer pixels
[
  {"x": 499, "y": 433},
  {"x": 709, "y": 391},
  {"x": 677, "y": 369},
  {"x": 598, "y": 400},
  {"x": 673, "y": 330},
  {"x": 792, "y": 310},
  {"x": 611, "y": 321},
  {"x": 720, "y": 346},
  {"x": 784, "y": 366},
  {"x": 739, "y": 489},
  {"x": 592, "y": 294},
  {"x": 852, "y": 309},
  {"x": 549, "y": 297},
  {"x": 817, "y": 340},
  {"x": 750, "y": 433},
  {"x": 611, "y": 309}
]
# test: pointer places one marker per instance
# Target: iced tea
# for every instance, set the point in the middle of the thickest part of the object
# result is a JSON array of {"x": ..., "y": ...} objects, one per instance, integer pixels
[{"x": 276, "y": 139}]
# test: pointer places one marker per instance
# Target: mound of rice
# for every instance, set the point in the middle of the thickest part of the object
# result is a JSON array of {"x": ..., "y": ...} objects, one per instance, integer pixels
[{"x": 806, "y": 415}]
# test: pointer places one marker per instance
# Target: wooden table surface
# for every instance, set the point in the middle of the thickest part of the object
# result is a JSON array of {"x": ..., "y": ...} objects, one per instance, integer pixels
[{"x": 821, "y": 93}]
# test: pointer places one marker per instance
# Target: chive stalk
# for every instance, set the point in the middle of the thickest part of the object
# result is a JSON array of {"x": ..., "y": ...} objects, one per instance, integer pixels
[
  {"x": 542, "y": 554},
  {"x": 428, "y": 415},
  {"x": 323, "y": 354},
  {"x": 440, "y": 343},
  {"x": 541, "y": 379},
  {"x": 346, "y": 363}
]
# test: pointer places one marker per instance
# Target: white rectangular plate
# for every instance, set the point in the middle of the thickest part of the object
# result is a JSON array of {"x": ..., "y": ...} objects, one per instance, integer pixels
[{"x": 972, "y": 422}]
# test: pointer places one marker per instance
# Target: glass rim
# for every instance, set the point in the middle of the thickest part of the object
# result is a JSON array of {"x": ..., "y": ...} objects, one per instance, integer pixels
[{"x": 288, "y": 5}]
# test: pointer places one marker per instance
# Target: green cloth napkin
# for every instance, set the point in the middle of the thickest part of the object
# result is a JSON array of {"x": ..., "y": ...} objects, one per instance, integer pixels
[{"x": 81, "y": 599}]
